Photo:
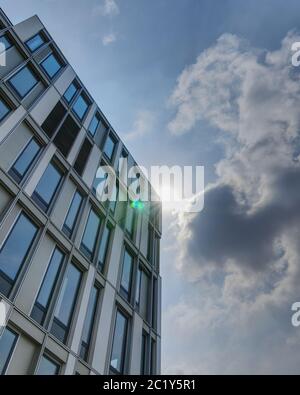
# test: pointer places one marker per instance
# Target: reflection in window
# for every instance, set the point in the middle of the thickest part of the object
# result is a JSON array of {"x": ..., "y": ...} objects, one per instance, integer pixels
[
  {"x": 47, "y": 288},
  {"x": 47, "y": 367},
  {"x": 88, "y": 323},
  {"x": 7, "y": 344},
  {"x": 126, "y": 275},
  {"x": 4, "y": 109},
  {"x": 23, "y": 81},
  {"x": 90, "y": 234},
  {"x": 51, "y": 65},
  {"x": 94, "y": 125},
  {"x": 72, "y": 215},
  {"x": 35, "y": 42},
  {"x": 66, "y": 303},
  {"x": 142, "y": 292},
  {"x": 14, "y": 252},
  {"x": 80, "y": 107},
  {"x": 119, "y": 344},
  {"x": 104, "y": 247},
  {"x": 25, "y": 160},
  {"x": 5, "y": 44},
  {"x": 47, "y": 187},
  {"x": 109, "y": 147},
  {"x": 71, "y": 92}
]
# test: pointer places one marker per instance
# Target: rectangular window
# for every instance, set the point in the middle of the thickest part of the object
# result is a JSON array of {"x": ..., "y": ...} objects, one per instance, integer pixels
[
  {"x": 130, "y": 220},
  {"x": 54, "y": 119},
  {"x": 94, "y": 125},
  {"x": 25, "y": 160},
  {"x": 73, "y": 213},
  {"x": 80, "y": 107},
  {"x": 5, "y": 43},
  {"x": 89, "y": 322},
  {"x": 118, "y": 354},
  {"x": 109, "y": 147},
  {"x": 8, "y": 341},
  {"x": 90, "y": 234},
  {"x": 35, "y": 42},
  {"x": 126, "y": 278},
  {"x": 104, "y": 247},
  {"x": 23, "y": 81},
  {"x": 15, "y": 251},
  {"x": 71, "y": 92},
  {"x": 150, "y": 244},
  {"x": 142, "y": 293},
  {"x": 66, "y": 303},
  {"x": 144, "y": 355},
  {"x": 47, "y": 367},
  {"x": 47, "y": 187},
  {"x": 51, "y": 65},
  {"x": 66, "y": 135},
  {"x": 45, "y": 294},
  {"x": 4, "y": 109},
  {"x": 83, "y": 156},
  {"x": 153, "y": 358}
]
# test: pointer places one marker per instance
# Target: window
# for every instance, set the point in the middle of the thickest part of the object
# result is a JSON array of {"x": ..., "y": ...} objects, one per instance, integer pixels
[
  {"x": 130, "y": 220},
  {"x": 47, "y": 187},
  {"x": 126, "y": 275},
  {"x": 71, "y": 92},
  {"x": 66, "y": 135},
  {"x": 23, "y": 81},
  {"x": 109, "y": 147},
  {"x": 4, "y": 109},
  {"x": 153, "y": 358},
  {"x": 104, "y": 247},
  {"x": 72, "y": 215},
  {"x": 14, "y": 252},
  {"x": 144, "y": 354},
  {"x": 53, "y": 120},
  {"x": 8, "y": 341},
  {"x": 114, "y": 198},
  {"x": 150, "y": 244},
  {"x": 35, "y": 42},
  {"x": 51, "y": 65},
  {"x": 88, "y": 323},
  {"x": 142, "y": 293},
  {"x": 94, "y": 125},
  {"x": 119, "y": 344},
  {"x": 5, "y": 43},
  {"x": 48, "y": 367},
  {"x": 90, "y": 234},
  {"x": 25, "y": 160},
  {"x": 154, "y": 303},
  {"x": 66, "y": 303},
  {"x": 80, "y": 107},
  {"x": 43, "y": 299},
  {"x": 83, "y": 156}
]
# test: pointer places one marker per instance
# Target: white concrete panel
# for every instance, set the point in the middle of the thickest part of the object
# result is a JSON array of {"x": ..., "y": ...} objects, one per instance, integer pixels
[
  {"x": 13, "y": 119},
  {"x": 39, "y": 171},
  {"x": 103, "y": 333},
  {"x": 28, "y": 28}
]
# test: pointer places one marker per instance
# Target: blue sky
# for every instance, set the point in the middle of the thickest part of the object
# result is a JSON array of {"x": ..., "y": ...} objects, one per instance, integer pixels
[{"x": 146, "y": 62}]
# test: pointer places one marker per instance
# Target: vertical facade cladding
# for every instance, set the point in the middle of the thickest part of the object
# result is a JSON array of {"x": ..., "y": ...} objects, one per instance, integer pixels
[{"x": 79, "y": 277}]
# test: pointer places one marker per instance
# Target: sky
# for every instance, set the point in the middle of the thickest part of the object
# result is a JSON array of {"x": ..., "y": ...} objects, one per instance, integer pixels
[{"x": 206, "y": 82}]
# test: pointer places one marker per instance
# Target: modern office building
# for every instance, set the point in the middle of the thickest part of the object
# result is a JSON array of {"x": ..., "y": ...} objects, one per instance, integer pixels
[{"x": 79, "y": 278}]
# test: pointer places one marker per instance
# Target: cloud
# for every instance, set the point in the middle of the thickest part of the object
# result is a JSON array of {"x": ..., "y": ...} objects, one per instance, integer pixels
[
  {"x": 106, "y": 8},
  {"x": 109, "y": 39},
  {"x": 142, "y": 125},
  {"x": 245, "y": 242}
]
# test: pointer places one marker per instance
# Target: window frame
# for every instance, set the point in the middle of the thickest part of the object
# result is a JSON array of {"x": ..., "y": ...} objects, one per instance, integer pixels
[
  {"x": 66, "y": 230},
  {"x": 9, "y": 107},
  {"x": 125, "y": 342},
  {"x": 30, "y": 68},
  {"x": 42, "y": 35},
  {"x": 12, "y": 349},
  {"x": 59, "y": 61}
]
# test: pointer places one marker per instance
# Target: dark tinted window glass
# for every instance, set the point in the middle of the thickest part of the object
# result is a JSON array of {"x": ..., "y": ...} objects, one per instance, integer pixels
[
  {"x": 4, "y": 109},
  {"x": 90, "y": 234},
  {"x": 14, "y": 251},
  {"x": 66, "y": 135},
  {"x": 130, "y": 220},
  {"x": 7, "y": 343},
  {"x": 5, "y": 43},
  {"x": 46, "y": 291},
  {"x": 94, "y": 125},
  {"x": 104, "y": 246},
  {"x": 47, "y": 187},
  {"x": 47, "y": 367},
  {"x": 24, "y": 81},
  {"x": 70, "y": 92},
  {"x": 119, "y": 343},
  {"x": 126, "y": 274},
  {"x": 25, "y": 160},
  {"x": 83, "y": 156},
  {"x": 54, "y": 119},
  {"x": 72, "y": 214},
  {"x": 51, "y": 65},
  {"x": 88, "y": 322},
  {"x": 80, "y": 107},
  {"x": 66, "y": 303},
  {"x": 109, "y": 147},
  {"x": 35, "y": 42},
  {"x": 144, "y": 355}
]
